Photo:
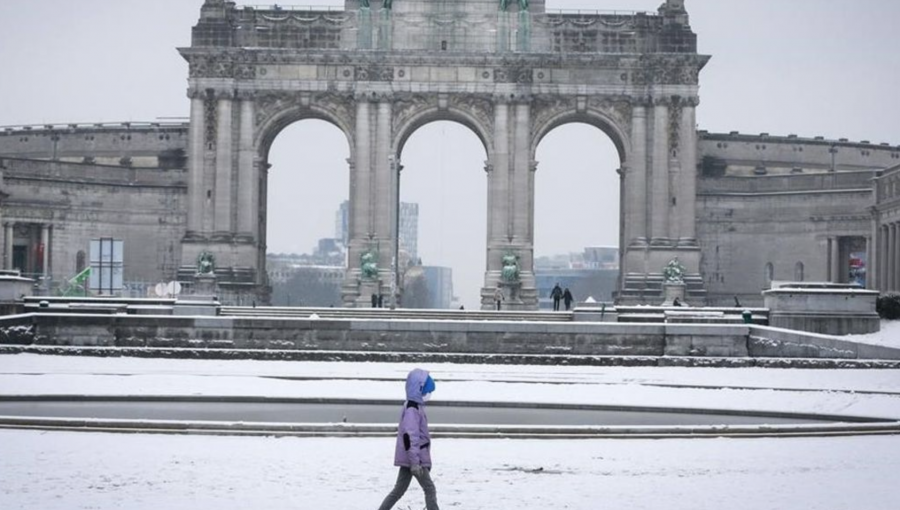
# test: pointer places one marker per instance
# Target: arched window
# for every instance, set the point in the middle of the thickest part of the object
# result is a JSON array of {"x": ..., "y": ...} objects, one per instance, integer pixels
[
  {"x": 798, "y": 272},
  {"x": 770, "y": 274}
]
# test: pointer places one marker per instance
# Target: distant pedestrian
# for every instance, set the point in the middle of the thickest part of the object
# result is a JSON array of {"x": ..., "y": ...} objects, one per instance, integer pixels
[
  {"x": 498, "y": 297},
  {"x": 567, "y": 298},
  {"x": 413, "y": 450},
  {"x": 374, "y": 300},
  {"x": 737, "y": 302},
  {"x": 381, "y": 301},
  {"x": 677, "y": 302},
  {"x": 556, "y": 294}
]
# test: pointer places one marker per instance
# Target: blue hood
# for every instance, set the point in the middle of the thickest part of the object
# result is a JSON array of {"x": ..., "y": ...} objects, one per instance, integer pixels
[{"x": 415, "y": 381}]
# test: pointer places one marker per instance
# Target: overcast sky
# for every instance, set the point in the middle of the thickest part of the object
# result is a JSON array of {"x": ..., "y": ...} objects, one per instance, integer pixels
[{"x": 811, "y": 67}]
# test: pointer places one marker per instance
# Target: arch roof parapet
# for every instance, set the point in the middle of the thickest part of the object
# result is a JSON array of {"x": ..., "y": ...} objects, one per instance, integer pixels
[
  {"x": 463, "y": 25},
  {"x": 795, "y": 139},
  {"x": 14, "y": 130}
]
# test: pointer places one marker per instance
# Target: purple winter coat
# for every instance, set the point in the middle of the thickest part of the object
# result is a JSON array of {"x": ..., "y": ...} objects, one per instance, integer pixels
[{"x": 413, "y": 439}]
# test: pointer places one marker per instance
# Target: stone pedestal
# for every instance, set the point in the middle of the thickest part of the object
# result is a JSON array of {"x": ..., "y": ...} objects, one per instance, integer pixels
[
  {"x": 368, "y": 288},
  {"x": 205, "y": 286},
  {"x": 672, "y": 291},
  {"x": 826, "y": 308}
]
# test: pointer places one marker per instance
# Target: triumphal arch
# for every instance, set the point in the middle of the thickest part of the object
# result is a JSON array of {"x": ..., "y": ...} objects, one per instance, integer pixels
[{"x": 509, "y": 70}]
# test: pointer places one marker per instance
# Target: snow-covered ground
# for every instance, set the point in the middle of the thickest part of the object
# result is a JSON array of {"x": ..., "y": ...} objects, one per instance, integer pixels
[{"x": 67, "y": 470}]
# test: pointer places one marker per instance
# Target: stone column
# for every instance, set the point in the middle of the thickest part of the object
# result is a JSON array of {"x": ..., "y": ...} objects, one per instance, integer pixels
[
  {"x": 222, "y": 225},
  {"x": 521, "y": 174},
  {"x": 197, "y": 150},
  {"x": 687, "y": 189},
  {"x": 636, "y": 180},
  {"x": 9, "y": 237},
  {"x": 45, "y": 243},
  {"x": 248, "y": 174},
  {"x": 659, "y": 175},
  {"x": 385, "y": 195},
  {"x": 361, "y": 201},
  {"x": 834, "y": 261},
  {"x": 891, "y": 268},
  {"x": 498, "y": 188},
  {"x": 894, "y": 271},
  {"x": 882, "y": 257},
  {"x": 870, "y": 259}
]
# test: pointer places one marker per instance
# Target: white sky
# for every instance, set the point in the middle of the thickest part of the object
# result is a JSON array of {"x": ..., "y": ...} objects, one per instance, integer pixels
[{"x": 811, "y": 67}]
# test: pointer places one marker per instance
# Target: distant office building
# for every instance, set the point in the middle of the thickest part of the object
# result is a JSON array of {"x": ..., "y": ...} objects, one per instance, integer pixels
[
  {"x": 409, "y": 230},
  {"x": 440, "y": 286},
  {"x": 409, "y": 227},
  {"x": 342, "y": 223}
]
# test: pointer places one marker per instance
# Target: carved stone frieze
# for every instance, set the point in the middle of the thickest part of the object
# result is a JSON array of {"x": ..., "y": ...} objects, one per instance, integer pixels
[
  {"x": 374, "y": 73},
  {"x": 339, "y": 107},
  {"x": 653, "y": 70},
  {"x": 211, "y": 117},
  {"x": 514, "y": 74},
  {"x": 675, "y": 111},
  {"x": 617, "y": 108},
  {"x": 408, "y": 105},
  {"x": 240, "y": 65},
  {"x": 545, "y": 108},
  {"x": 480, "y": 107}
]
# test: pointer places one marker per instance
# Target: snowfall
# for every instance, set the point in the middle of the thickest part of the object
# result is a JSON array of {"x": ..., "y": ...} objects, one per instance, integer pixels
[{"x": 87, "y": 470}]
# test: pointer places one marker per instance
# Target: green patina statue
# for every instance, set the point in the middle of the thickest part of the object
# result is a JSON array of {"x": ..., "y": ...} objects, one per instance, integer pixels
[
  {"x": 674, "y": 272},
  {"x": 510, "y": 271},
  {"x": 369, "y": 265},
  {"x": 388, "y": 4},
  {"x": 523, "y": 5},
  {"x": 364, "y": 3},
  {"x": 206, "y": 263}
]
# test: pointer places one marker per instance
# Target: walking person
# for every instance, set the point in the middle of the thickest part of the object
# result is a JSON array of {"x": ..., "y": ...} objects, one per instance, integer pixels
[
  {"x": 413, "y": 451},
  {"x": 556, "y": 294},
  {"x": 498, "y": 297},
  {"x": 567, "y": 298}
]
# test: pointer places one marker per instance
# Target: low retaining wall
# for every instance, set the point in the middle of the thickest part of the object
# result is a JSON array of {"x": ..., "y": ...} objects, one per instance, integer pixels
[
  {"x": 786, "y": 343},
  {"x": 445, "y": 337}
]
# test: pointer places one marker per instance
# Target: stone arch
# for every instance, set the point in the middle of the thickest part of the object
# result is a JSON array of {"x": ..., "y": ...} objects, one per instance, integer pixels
[
  {"x": 426, "y": 115},
  {"x": 605, "y": 123},
  {"x": 274, "y": 123}
]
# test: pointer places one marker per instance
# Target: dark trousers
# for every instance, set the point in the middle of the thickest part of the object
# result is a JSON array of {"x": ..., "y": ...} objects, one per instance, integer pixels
[
  {"x": 556, "y": 304},
  {"x": 403, "y": 478}
]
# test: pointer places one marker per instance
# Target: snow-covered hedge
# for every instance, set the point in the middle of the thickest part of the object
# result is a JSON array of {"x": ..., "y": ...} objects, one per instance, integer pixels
[{"x": 888, "y": 306}]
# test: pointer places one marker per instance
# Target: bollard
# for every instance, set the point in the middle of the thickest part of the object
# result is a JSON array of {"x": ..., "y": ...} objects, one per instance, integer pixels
[{"x": 748, "y": 316}]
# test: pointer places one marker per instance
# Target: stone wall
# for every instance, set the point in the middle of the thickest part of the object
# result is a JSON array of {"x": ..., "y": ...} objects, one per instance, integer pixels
[{"x": 440, "y": 337}]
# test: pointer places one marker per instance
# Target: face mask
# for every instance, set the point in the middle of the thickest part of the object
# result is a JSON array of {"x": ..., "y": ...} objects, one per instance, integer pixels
[{"x": 426, "y": 397}]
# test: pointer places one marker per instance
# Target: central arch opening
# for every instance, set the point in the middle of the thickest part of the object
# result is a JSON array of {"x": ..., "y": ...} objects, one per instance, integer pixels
[
  {"x": 577, "y": 217},
  {"x": 443, "y": 181},
  {"x": 305, "y": 194}
]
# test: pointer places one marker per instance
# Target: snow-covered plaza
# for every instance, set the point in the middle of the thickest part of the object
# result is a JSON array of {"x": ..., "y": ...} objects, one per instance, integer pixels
[{"x": 42, "y": 469}]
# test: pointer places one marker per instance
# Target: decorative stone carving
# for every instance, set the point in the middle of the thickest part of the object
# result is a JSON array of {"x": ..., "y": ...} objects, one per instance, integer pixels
[
  {"x": 339, "y": 106},
  {"x": 675, "y": 111},
  {"x": 211, "y": 118},
  {"x": 479, "y": 107},
  {"x": 408, "y": 105}
]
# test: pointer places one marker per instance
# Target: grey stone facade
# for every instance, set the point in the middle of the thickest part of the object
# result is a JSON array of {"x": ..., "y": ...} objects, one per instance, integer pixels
[{"x": 738, "y": 210}]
